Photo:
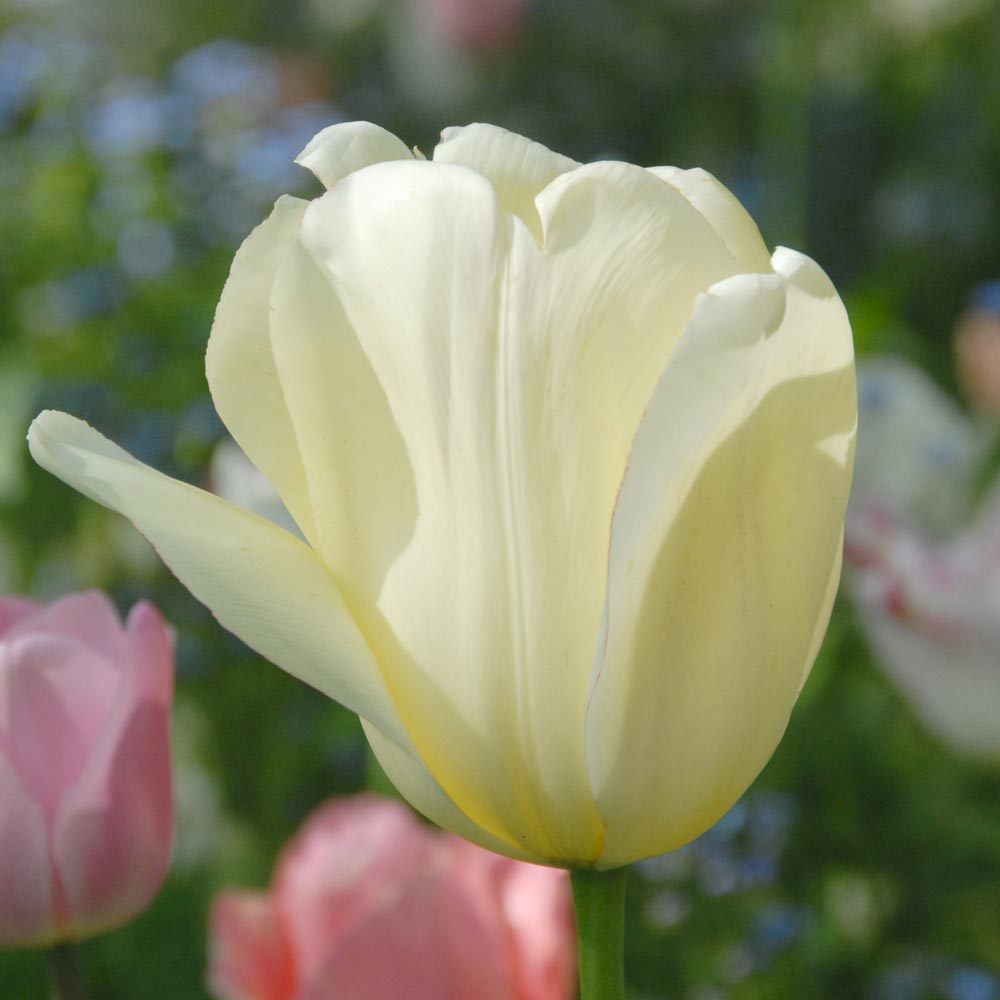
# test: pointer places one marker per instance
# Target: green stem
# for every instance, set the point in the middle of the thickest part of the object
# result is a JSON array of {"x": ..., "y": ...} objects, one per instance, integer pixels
[
  {"x": 67, "y": 974},
  {"x": 599, "y": 899}
]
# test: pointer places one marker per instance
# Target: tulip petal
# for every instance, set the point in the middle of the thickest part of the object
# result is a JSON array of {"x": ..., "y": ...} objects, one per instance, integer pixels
[
  {"x": 249, "y": 956},
  {"x": 88, "y": 618},
  {"x": 113, "y": 832},
  {"x": 229, "y": 559},
  {"x": 341, "y": 149},
  {"x": 726, "y": 529},
  {"x": 440, "y": 951},
  {"x": 532, "y": 906},
  {"x": 724, "y": 213},
  {"x": 15, "y": 609},
  {"x": 240, "y": 368},
  {"x": 517, "y": 375},
  {"x": 26, "y": 917},
  {"x": 419, "y": 787},
  {"x": 347, "y": 861},
  {"x": 952, "y": 683},
  {"x": 358, "y": 473},
  {"x": 518, "y": 168},
  {"x": 58, "y": 699}
]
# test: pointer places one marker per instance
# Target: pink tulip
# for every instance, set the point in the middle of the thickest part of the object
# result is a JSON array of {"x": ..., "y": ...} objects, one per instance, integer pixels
[
  {"x": 86, "y": 808},
  {"x": 366, "y": 901}
]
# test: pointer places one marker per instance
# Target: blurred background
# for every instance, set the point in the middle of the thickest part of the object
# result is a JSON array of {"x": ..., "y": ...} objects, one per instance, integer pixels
[{"x": 141, "y": 140}]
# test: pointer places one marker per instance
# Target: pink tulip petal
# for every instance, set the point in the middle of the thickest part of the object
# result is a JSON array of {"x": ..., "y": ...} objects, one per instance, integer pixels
[
  {"x": 538, "y": 906},
  {"x": 151, "y": 653},
  {"x": 90, "y": 618},
  {"x": 53, "y": 708},
  {"x": 15, "y": 609},
  {"x": 429, "y": 944},
  {"x": 530, "y": 911},
  {"x": 25, "y": 883},
  {"x": 249, "y": 957},
  {"x": 114, "y": 831},
  {"x": 346, "y": 860}
]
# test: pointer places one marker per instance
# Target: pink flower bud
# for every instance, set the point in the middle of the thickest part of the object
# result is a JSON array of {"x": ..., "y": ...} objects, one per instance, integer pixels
[
  {"x": 366, "y": 901},
  {"x": 86, "y": 806}
]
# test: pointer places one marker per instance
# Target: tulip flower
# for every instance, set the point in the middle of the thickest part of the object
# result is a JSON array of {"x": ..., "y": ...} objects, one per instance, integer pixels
[
  {"x": 930, "y": 609},
  {"x": 86, "y": 809},
  {"x": 368, "y": 902},
  {"x": 570, "y": 453}
]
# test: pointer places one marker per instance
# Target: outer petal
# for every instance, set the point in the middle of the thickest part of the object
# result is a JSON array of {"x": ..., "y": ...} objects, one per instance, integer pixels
[
  {"x": 724, "y": 213},
  {"x": 26, "y": 917},
  {"x": 343, "y": 148},
  {"x": 726, "y": 530},
  {"x": 249, "y": 956},
  {"x": 418, "y": 786},
  {"x": 114, "y": 829},
  {"x": 229, "y": 559},
  {"x": 537, "y": 904},
  {"x": 438, "y": 946},
  {"x": 240, "y": 368},
  {"x": 56, "y": 704},
  {"x": 953, "y": 683},
  {"x": 88, "y": 618},
  {"x": 518, "y": 168},
  {"x": 517, "y": 375},
  {"x": 15, "y": 609},
  {"x": 531, "y": 909},
  {"x": 351, "y": 858},
  {"x": 358, "y": 472}
]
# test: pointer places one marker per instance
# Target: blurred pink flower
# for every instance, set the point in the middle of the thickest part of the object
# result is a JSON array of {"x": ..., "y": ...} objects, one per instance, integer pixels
[
  {"x": 86, "y": 808},
  {"x": 367, "y": 901},
  {"x": 476, "y": 25},
  {"x": 930, "y": 609}
]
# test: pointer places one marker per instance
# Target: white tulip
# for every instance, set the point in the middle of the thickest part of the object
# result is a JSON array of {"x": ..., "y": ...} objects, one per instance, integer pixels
[{"x": 570, "y": 452}]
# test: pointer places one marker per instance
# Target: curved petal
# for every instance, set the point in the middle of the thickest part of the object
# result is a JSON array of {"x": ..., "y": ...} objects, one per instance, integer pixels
[
  {"x": 111, "y": 842},
  {"x": 538, "y": 906},
  {"x": 114, "y": 829},
  {"x": 15, "y": 609},
  {"x": 728, "y": 524},
  {"x": 359, "y": 477},
  {"x": 952, "y": 684},
  {"x": 229, "y": 560},
  {"x": 518, "y": 168},
  {"x": 724, "y": 213},
  {"x": 26, "y": 911},
  {"x": 825, "y": 610},
  {"x": 150, "y": 652},
  {"x": 240, "y": 368},
  {"x": 533, "y": 906},
  {"x": 420, "y": 788},
  {"x": 517, "y": 374},
  {"x": 249, "y": 957},
  {"x": 341, "y": 149},
  {"x": 58, "y": 699},
  {"x": 440, "y": 951},
  {"x": 348, "y": 860},
  {"x": 88, "y": 618}
]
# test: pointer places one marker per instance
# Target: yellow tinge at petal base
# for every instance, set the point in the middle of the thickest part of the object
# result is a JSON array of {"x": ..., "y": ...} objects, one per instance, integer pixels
[{"x": 571, "y": 451}]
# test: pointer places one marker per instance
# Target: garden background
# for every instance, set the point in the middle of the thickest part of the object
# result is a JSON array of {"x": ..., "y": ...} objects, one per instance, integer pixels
[{"x": 140, "y": 141}]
